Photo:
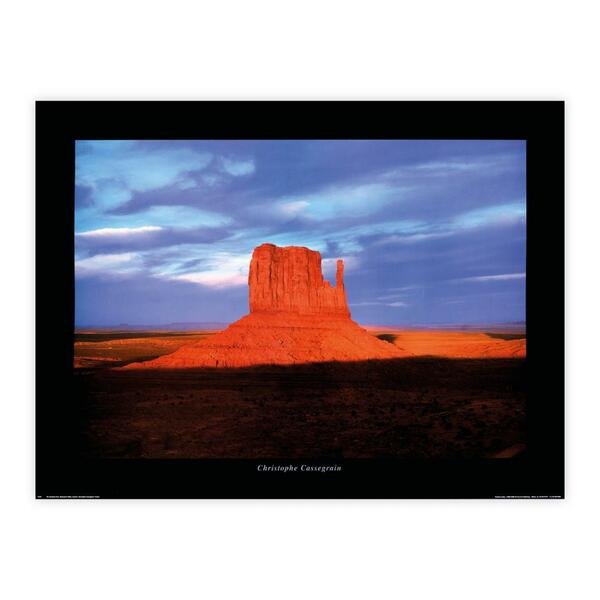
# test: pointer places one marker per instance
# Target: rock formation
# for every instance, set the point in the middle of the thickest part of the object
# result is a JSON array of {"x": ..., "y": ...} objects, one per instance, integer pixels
[
  {"x": 295, "y": 317},
  {"x": 290, "y": 279}
]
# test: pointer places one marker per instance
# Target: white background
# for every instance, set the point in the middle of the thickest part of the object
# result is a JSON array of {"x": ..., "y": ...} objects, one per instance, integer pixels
[{"x": 298, "y": 50}]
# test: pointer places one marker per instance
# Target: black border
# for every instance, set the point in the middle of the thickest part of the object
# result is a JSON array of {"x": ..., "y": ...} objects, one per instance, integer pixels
[{"x": 61, "y": 473}]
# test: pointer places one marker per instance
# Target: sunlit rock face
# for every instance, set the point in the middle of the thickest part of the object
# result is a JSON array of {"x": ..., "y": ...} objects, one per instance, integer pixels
[
  {"x": 295, "y": 317},
  {"x": 290, "y": 279}
]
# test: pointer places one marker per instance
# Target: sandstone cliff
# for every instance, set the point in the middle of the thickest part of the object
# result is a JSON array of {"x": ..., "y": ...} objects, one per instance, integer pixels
[{"x": 290, "y": 279}]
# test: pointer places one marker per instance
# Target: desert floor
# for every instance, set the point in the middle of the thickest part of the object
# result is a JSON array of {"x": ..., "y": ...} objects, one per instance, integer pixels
[{"x": 462, "y": 395}]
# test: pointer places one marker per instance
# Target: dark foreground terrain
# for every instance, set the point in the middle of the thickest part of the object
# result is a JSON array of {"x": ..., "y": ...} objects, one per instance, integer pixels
[{"x": 406, "y": 408}]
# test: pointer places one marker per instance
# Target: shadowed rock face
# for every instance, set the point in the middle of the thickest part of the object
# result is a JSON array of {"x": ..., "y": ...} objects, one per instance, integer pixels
[
  {"x": 290, "y": 279},
  {"x": 295, "y": 317}
]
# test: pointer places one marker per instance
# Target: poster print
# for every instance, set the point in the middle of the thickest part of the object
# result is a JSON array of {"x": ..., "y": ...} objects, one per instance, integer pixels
[{"x": 300, "y": 316}]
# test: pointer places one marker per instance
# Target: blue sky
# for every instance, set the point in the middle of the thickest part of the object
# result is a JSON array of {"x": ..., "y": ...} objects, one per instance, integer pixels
[{"x": 431, "y": 231}]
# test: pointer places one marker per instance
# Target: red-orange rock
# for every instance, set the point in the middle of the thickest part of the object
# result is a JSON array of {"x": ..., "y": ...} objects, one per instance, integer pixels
[
  {"x": 295, "y": 317},
  {"x": 290, "y": 279}
]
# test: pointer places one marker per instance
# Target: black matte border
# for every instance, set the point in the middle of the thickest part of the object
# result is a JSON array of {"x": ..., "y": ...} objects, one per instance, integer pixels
[{"x": 60, "y": 471}]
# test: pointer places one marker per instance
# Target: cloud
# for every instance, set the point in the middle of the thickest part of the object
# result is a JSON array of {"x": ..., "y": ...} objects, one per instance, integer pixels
[
  {"x": 159, "y": 215},
  {"x": 127, "y": 177},
  {"x": 410, "y": 238},
  {"x": 443, "y": 168},
  {"x": 392, "y": 304},
  {"x": 107, "y": 263},
  {"x": 292, "y": 208},
  {"x": 214, "y": 279},
  {"x": 394, "y": 297},
  {"x": 366, "y": 303},
  {"x": 411, "y": 232},
  {"x": 502, "y": 277},
  {"x": 179, "y": 216},
  {"x": 502, "y": 213},
  {"x": 118, "y": 232},
  {"x": 421, "y": 275},
  {"x": 186, "y": 184},
  {"x": 238, "y": 168},
  {"x": 336, "y": 201},
  {"x": 146, "y": 238},
  {"x": 221, "y": 270},
  {"x": 133, "y": 165}
]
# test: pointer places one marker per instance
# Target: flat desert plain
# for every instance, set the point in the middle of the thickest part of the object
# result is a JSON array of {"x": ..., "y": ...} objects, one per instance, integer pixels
[{"x": 458, "y": 394}]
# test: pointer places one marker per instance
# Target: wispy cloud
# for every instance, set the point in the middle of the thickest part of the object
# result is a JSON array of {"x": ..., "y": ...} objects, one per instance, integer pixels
[
  {"x": 501, "y": 213},
  {"x": 107, "y": 264},
  {"x": 238, "y": 168},
  {"x": 392, "y": 304},
  {"x": 220, "y": 270},
  {"x": 292, "y": 208},
  {"x": 109, "y": 232},
  {"x": 214, "y": 279},
  {"x": 501, "y": 277},
  {"x": 335, "y": 201}
]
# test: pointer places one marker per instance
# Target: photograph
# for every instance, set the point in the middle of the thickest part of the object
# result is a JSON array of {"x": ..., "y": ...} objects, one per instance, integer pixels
[
  {"x": 301, "y": 298},
  {"x": 282, "y": 306}
]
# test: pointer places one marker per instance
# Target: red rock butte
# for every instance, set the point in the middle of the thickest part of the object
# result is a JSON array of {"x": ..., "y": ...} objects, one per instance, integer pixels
[
  {"x": 296, "y": 316},
  {"x": 290, "y": 280}
]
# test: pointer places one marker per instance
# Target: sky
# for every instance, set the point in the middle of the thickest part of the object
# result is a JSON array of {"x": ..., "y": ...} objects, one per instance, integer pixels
[{"x": 431, "y": 231}]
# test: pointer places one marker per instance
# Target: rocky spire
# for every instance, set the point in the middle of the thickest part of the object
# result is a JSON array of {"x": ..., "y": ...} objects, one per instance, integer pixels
[
  {"x": 339, "y": 274},
  {"x": 290, "y": 279}
]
